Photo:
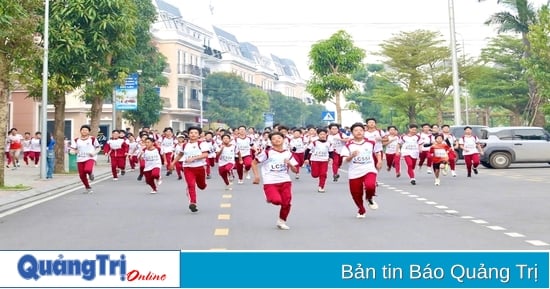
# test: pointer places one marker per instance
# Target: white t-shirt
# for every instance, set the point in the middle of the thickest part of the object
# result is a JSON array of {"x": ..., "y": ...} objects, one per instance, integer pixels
[
  {"x": 337, "y": 141},
  {"x": 152, "y": 159},
  {"x": 410, "y": 145},
  {"x": 391, "y": 147},
  {"x": 470, "y": 145},
  {"x": 86, "y": 148},
  {"x": 228, "y": 154},
  {"x": 426, "y": 139},
  {"x": 35, "y": 145},
  {"x": 167, "y": 144},
  {"x": 376, "y": 136},
  {"x": 363, "y": 163},
  {"x": 319, "y": 151},
  {"x": 273, "y": 167},
  {"x": 195, "y": 149},
  {"x": 244, "y": 145},
  {"x": 297, "y": 143}
]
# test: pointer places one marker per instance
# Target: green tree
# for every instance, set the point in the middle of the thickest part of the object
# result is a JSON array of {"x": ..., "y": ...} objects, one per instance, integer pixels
[
  {"x": 225, "y": 98},
  {"x": 289, "y": 111},
  {"x": 332, "y": 63},
  {"x": 259, "y": 103},
  {"x": 416, "y": 78},
  {"x": 518, "y": 18},
  {"x": 19, "y": 20},
  {"x": 110, "y": 33},
  {"x": 369, "y": 76},
  {"x": 499, "y": 81},
  {"x": 538, "y": 65}
]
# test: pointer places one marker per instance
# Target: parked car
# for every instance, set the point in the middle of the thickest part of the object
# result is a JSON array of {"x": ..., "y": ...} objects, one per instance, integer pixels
[
  {"x": 508, "y": 145},
  {"x": 458, "y": 132}
]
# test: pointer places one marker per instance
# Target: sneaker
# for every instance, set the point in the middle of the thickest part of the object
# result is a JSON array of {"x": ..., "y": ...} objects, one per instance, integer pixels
[
  {"x": 240, "y": 182},
  {"x": 159, "y": 182},
  {"x": 413, "y": 182},
  {"x": 321, "y": 190},
  {"x": 336, "y": 177},
  {"x": 437, "y": 182},
  {"x": 140, "y": 177},
  {"x": 115, "y": 179},
  {"x": 88, "y": 191},
  {"x": 153, "y": 192},
  {"x": 372, "y": 204},
  {"x": 361, "y": 216},
  {"x": 248, "y": 176},
  {"x": 297, "y": 176},
  {"x": 444, "y": 172},
  {"x": 208, "y": 177},
  {"x": 122, "y": 173},
  {"x": 469, "y": 175},
  {"x": 475, "y": 171},
  {"x": 168, "y": 173},
  {"x": 282, "y": 225},
  {"x": 228, "y": 188},
  {"x": 180, "y": 178},
  {"x": 193, "y": 208},
  {"x": 397, "y": 175},
  {"x": 92, "y": 177},
  {"x": 453, "y": 173},
  {"x": 429, "y": 171},
  {"x": 36, "y": 166}
]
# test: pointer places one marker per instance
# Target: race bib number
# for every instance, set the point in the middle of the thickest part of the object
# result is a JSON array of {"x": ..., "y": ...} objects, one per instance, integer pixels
[
  {"x": 440, "y": 153},
  {"x": 363, "y": 158}
]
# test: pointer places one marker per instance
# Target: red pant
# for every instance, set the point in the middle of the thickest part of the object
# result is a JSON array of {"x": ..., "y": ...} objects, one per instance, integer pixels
[
  {"x": 471, "y": 160},
  {"x": 425, "y": 156},
  {"x": 411, "y": 165},
  {"x": 167, "y": 160},
  {"x": 8, "y": 158},
  {"x": 225, "y": 171},
  {"x": 319, "y": 170},
  {"x": 365, "y": 185},
  {"x": 179, "y": 168},
  {"x": 393, "y": 160},
  {"x": 151, "y": 176},
  {"x": 246, "y": 165},
  {"x": 194, "y": 177},
  {"x": 117, "y": 162},
  {"x": 452, "y": 160},
  {"x": 28, "y": 155},
  {"x": 141, "y": 166},
  {"x": 84, "y": 169},
  {"x": 336, "y": 163},
  {"x": 280, "y": 195},
  {"x": 133, "y": 160},
  {"x": 210, "y": 163},
  {"x": 35, "y": 156},
  {"x": 299, "y": 157}
]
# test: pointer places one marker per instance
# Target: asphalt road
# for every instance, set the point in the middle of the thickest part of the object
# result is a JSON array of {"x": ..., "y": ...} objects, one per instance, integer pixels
[{"x": 495, "y": 210}]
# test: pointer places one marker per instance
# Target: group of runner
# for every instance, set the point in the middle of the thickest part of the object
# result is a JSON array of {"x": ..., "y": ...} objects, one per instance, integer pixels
[{"x": 278, "y": 154}]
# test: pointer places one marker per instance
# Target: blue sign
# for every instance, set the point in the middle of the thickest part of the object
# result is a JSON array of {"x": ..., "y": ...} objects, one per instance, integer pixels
[
  {"x": 329, "y": 116},
  {"x": 126, "y": 95},
  {"x": 268, "y": 119}
]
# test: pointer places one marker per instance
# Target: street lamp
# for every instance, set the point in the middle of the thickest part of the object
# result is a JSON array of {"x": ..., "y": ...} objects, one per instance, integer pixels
[
  {"x": 466, "y": 108},
  {"x": 456, "y": 85},
  {"x": 44, "y": 104}
]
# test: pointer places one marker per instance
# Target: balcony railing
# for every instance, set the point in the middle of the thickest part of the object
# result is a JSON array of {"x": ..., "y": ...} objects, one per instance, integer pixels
[{"x": 189, "y": 69}]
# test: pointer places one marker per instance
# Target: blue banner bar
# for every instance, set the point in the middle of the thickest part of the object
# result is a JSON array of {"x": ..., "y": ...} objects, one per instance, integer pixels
[{"x": 329, "y": 269}]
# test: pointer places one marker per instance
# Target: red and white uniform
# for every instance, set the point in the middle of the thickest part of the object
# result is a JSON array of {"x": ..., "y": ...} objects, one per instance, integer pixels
[
  {"x": 319, "y": 151},
  {"x": 363, "y": 163},
  {"x": 376, "y": 136},
  {"x": 152, "y": 159},
  {"x": 244, "y": 145},
  {"x": 410, "y": 145},
  {"x": 167, "y": 145},
  {"x": 273, "y": 167},
  {"x": 191, "y": 150},
  {"x": 15, "y": 141},
  {"x": 86, "y": 148},
  {"x": 228, "y": 155}
]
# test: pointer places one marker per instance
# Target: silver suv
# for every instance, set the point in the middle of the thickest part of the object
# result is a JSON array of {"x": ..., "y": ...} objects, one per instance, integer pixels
[{"x": 506, "y": 145}]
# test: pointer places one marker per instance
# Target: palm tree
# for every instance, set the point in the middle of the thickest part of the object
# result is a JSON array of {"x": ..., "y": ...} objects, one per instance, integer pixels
[{"x": 522, "y": 16}]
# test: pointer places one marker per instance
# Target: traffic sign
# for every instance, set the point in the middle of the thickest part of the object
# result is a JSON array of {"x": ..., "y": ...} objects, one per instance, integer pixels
[{"x": 328, "y": 116}]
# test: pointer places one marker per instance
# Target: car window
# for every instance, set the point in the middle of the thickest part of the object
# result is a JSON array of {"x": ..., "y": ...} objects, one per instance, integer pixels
[
  {"x": 529, "y": 134},
  {"x": 504, "y": 134}
]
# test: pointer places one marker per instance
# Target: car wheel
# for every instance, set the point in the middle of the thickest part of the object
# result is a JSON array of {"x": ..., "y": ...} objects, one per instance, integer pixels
[
  {"x": 486, "y": 164},
  {"x": 500, "y": 160}
]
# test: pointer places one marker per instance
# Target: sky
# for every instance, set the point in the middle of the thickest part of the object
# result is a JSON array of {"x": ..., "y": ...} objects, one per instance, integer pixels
[{"x": 288, "y": 28}]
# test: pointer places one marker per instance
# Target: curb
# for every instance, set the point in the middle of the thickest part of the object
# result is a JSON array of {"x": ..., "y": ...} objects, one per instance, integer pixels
[{"x": 13, "y": 205}]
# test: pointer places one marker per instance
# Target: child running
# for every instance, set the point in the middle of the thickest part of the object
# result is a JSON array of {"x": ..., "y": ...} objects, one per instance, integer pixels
[
  {"x": 439, "y": 153},
  {"x": 362, "y": 171},
  {"x": 275, "y": 163},
  {"x": 317, "y": 155},
  {"x": 153, "y": 163}
]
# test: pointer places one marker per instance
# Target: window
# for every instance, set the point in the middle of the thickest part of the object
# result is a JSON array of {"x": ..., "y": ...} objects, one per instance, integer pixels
[
  {"x": 529, "y": 134},
  {"x": 68, "y": 128},
  {"x": 182, "y": 60},
  {"x": 176, "y": 126},
  {"x": 194, "y": 94},
  {"x": 504, "y": 134},
  {"x": 181, "y": 96}
]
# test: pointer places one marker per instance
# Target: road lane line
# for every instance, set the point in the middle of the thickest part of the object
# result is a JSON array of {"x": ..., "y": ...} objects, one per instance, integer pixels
[
  {"x": 538, "y": 243},
  {"x": 221, "y": 232},
  {"x": 224, "y": 217},
  {"x": 225, "y": 205}
]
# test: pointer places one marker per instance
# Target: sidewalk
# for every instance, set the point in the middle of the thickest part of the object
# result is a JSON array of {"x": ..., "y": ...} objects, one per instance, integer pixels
[{"x": 30, "y": 176}]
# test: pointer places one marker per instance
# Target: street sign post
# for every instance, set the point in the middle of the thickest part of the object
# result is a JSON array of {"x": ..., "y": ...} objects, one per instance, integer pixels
[{"x": 329, "y": 116}]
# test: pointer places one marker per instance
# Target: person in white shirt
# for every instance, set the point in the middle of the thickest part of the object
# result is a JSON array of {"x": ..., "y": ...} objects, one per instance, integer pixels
[
  {"x": 153, "y": 163},
  {"x": 275, "y": 163},
  {"x": 227, "y": 153},
  {"x": 194, "y": 154},
  {"x": 393, "y": 155},
  {"x": 298, "y": 148},
  {"x": 86, "y": 148},
  {"x": 15, "y": 142},
  {"x": 167, "y": 144},
  {"x": 359, "y": 153},
  {"x": 211, "y": 159},
  {"x": 337, "y": 139},
  {"x": 427, "y": 141},
  {"x": 317, "y": 155},
  {"x": 244, "y": 145},
  {"x": 27, "y": 148},
  {"x": 471, "y": 150},
  {"x": 409, "y": 145},
  {"x": 35, "y": 147}
]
